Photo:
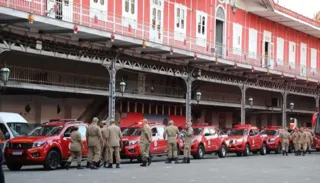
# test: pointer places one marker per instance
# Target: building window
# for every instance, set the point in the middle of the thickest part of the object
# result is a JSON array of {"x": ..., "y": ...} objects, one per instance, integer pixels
[
  {"x": 237, "y": 38},
  {"x": 280, "y": 51},
  {"x": 127, "y": 6},
  {"x": 201, "y": 24},
  {"x": 95, "y": 1},
  {"x": 133, "y": 7},
  {"x": 180, "y": 17},
  {"x": 313, "y": 58},
  {"x": 130, "y": 6},
  {"x": 102, "y": 2}
]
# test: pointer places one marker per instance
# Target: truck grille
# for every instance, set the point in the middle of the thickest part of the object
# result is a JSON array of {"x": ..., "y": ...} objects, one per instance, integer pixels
[{"x": 20, "y": 145}]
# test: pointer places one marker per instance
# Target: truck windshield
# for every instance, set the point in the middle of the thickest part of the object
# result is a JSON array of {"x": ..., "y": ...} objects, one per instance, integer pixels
[
  {"x": 197, "y": 131},
  {"x": 237, "y": 132},
  {"x": 131, "y": 132},
  {"x": 18, "y": 128},
  {"x": 46, "y": 131},
  {"x": 270, "y": 132}
]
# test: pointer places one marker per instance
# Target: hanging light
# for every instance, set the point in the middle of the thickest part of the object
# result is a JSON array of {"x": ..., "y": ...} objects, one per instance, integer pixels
[
  {"x": 144, "y": 44},
  {"x": 252, "y": 69},
  {"x": 235, "y": 65},
  {"x": 251, "y": 101},
  {"x": 195, "y": 56},
  {"x": 31, "y": 18},
  {"x": 122, "y": 87},
  {"x": 75, "y": 29},
  {"x": 4, "y": 73},
  {"x": 198, "y": 96},
  {"x": 112, "y": 37},
  {"x": 171, "y": 51},
  {"x": 234, "y": 7},
  {"x": 291, "y": 105}
]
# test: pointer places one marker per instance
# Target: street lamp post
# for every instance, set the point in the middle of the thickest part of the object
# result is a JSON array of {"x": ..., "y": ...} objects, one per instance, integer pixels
[
  {"x": 250, "y": 101},
  {"x": 4, "y": 77},
  {"x": 291, "y": 106},
  {"x": 122, "y": 87},
  {"x": 198, "y": 96}
]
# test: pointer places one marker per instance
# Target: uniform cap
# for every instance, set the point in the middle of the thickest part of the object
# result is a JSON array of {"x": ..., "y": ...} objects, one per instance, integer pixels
[
  {"x": 95, "y": 120},
  {"x": 104, "y": 122}
]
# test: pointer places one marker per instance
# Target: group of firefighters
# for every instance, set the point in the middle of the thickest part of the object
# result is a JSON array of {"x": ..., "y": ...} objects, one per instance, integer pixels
[
  {"x": 301, "y": 138},
  {"x": 105, "y": 142}
]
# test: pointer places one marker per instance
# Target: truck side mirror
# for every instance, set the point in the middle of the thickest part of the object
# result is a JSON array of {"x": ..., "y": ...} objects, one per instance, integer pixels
[{"x": 7, "y": 136}]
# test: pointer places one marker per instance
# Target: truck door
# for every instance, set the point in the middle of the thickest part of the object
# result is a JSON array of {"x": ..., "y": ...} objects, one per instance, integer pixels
[
  {"x": 83, "y": 130},
  {"x": 162, "y": 143},
  {"x": 154, "y": 147},
  {"x": 214, "y": 139},
  {"x": 66, "y": 143}
]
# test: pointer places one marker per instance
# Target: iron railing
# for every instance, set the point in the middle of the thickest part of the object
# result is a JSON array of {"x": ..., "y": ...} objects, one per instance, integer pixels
[{"x": 80, "y": 14}]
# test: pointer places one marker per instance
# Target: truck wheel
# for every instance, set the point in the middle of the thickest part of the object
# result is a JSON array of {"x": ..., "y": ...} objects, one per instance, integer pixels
[
  {"x": 14, "y": 167},
  {"x": 279, "y": 149},
  {"x": 246, "y": 151},
  {"x": 223, "y": 151},
  {"x": 263, "y": 150},
  {"x": 52, "y": 161},
  {"x": 200, "y": 152}
]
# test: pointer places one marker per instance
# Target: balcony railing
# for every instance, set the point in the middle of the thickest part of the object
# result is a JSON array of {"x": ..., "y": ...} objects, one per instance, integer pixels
[
  {"x": 114, "y": 23},
  {"x": 46, "y": 77}
]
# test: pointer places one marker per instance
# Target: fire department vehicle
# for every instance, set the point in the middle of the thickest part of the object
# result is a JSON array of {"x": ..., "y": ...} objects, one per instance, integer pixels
[
  {"x": 244, "y": 139},
  {"x": 316, "y": 125},
  {"x": 47, "y": 145},
  {"x": 208, "y": 140},
  {"x": 131, "y": 141},
  {"x": 274, "y": 140}
]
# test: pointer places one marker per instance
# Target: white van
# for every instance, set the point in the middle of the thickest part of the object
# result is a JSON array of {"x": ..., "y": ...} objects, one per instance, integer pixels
[{"x": 13, "y": 125}]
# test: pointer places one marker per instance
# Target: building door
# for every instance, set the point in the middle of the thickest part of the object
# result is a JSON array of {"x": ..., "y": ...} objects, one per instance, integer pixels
[
  {"x": 98, "y": 9},
  {"x": 303, "y": 59},
  {"x": 52, "y": 8},
  {"x": 67, "y": 10},
  {"x": 219, "y": 35},
  {"x": 156, "y": 14},
  {"x": 267, "y": 50}
]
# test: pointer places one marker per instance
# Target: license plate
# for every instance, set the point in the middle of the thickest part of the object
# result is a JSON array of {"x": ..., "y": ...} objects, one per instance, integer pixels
[{"x": 17, "y": 153}]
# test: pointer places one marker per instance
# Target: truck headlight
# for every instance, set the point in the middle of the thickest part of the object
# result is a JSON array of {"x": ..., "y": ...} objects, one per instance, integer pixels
[
  {"x": 133, "y": 142},
  {"x": 38, "y": 144},
  {"x": 272, "y": 140},
  {"x": 239, "y": 140}
]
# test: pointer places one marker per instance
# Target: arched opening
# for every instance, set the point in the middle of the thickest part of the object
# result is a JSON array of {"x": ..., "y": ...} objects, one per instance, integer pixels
[{"x": 220, "y": 33}]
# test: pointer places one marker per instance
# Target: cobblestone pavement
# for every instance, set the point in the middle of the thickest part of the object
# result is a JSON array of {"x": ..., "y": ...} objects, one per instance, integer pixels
[{"x": 252, "y": 169}]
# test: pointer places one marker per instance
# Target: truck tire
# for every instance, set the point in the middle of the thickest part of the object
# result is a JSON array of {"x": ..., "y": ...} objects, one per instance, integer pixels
[
  {"x": 200, "y": 152},
  {"x": 246, "y": 151},
  {"x": 52, "y": 161},
  {"x": 14, "y": 167},
  {"x": 223, "y": 151},
  {"x": 263, "y": 150}
]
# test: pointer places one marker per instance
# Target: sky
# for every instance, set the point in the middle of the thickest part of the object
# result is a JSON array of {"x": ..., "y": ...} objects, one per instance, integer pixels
[{"x": 305, "y": 7}]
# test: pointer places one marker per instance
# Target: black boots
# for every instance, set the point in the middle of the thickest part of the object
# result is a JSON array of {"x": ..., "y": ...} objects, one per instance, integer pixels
[
  {"x": 176, "y": 161},
  {"x": 309, "y": 151},
  {"x": 109, "y": 166},
  {"x": 149, "y": 161},
  {"x": 144, "y": 163},
  {"x": 94, "y": 165},
  {"x": 168, "y": 161},
  {"x": 283, "y": 152},
  {"x": 88, "y": 165},
  {"x": 118, "y": 166},
  {"x": 79, "y": 167},
  {"x": 286, "y": 153},
  {"x": 184, "y": 160},
  {"x": 304, "y": 153},
  {"x": 68, "y": 165}
]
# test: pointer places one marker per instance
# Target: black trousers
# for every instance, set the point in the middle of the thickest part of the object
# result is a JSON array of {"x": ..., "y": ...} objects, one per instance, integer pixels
[{"x": 1, "y": 170}]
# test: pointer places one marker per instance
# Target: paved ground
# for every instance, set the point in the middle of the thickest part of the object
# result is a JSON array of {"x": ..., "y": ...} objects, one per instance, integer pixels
[{"x": 252, "y": 169}]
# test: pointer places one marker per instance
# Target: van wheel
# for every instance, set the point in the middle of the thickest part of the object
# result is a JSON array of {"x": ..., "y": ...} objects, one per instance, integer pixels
[
  {"x": 52, "y": 161},
  {"x": 200, "y": 152},
  {"x": 14, "y": 167},
  {"x": 223, "y": 151},
  {"x": 246, "y": 151}
]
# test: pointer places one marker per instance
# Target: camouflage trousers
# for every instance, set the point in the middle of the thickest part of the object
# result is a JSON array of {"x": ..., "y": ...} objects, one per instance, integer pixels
[
  {"x": 94, "y": 154},
  {"x": 75, "y": 154},
  {"x": 186, "y": 150},
  {"x": 297, "y": 147},
  {"x": 116, "y": 151},
  {"x": 144, "y": 151},
  {"x": 304, "y": 146},
  {"x": 172, "y": 150},
  {"x": 309, "y": 146},
  {"x": 105, "y": 154},
  {"x": 285, "y": 145}
]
